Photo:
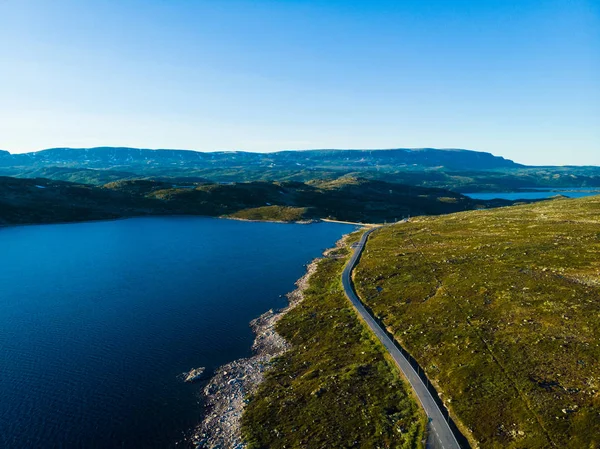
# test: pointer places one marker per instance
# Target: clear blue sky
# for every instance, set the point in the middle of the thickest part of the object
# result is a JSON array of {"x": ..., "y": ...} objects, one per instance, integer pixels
[{"x": 520, "y": 78}]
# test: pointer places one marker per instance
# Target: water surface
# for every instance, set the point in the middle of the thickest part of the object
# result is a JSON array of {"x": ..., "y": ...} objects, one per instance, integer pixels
[
  {"x": 98, "y": 319},
  {"x": 538, "y": 194}
]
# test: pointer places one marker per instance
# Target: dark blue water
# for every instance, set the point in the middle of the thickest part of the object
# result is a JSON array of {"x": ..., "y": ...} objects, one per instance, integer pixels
[
  {"x": 539, "y": 194},
  {"x": 98, "y": 319}
]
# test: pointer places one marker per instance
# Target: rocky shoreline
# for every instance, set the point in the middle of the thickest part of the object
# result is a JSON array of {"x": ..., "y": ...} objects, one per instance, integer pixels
[{"x": 225, "y": 394}]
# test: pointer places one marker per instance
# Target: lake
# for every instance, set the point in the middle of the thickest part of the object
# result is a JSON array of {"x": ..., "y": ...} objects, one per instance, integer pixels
[
  {"x": 98, "y": 319},
  {"x": 538, "y": 194}
]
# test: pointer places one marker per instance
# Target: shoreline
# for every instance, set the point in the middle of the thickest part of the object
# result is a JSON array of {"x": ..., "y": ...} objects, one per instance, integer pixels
[
  {"x": 304, "y": 222},
  {"x": 132, "y": 217},
  {"x": 216, "y": 217},
  {"x": 227, "y": 391}
]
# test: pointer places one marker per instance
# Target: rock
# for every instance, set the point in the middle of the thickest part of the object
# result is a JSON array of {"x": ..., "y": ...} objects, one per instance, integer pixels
[{"x": 194, "y": 374}]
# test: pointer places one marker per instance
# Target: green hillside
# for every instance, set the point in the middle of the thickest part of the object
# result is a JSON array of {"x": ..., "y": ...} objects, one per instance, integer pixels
[
  {"x": 350, "y": 199},
  {"x": 334, "y": 388},
  {"x": 502, "y": 309}
]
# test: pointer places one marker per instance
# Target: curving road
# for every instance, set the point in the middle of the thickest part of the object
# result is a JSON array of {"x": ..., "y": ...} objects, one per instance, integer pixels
[{"x": 440, "y": 435}]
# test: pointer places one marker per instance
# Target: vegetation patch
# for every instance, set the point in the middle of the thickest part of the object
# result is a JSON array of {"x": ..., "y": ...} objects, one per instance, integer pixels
[
  {"x": 347, "y": 199},
  {"x": 272, "y": 213},
  {"x": 502, "y": 309},
  {"x": 334, "y": 388}
]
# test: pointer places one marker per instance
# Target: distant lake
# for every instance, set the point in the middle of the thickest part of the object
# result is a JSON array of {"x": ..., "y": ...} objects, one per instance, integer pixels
[
  {"x": 98, "y": 319},
  {"x": 575, "y": 192}
]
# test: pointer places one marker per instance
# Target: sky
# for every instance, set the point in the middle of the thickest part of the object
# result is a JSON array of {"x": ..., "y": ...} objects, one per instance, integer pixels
[{"x": 520, "y": 79}]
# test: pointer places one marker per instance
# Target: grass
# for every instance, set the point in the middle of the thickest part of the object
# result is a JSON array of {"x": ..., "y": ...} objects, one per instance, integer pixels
[
  {"x": 346, "y": 199},
  {"x": 334, "y": 388},
  {"x": 502, "y": 309},
  {"x": 272, "y": 213}
]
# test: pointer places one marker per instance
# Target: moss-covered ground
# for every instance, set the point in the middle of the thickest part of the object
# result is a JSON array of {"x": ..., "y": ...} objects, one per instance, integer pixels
[
  {"x": 272, "y": 213},
  {"x": 352, "y": 199},
  {"x": 334, "y": 388},
  {"x": 502, "y": 308}
]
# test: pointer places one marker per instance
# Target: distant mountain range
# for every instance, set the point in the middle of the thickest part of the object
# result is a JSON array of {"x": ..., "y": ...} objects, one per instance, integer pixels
[
  {"x": 456, "y": 169},
  {"x": 358, "y": 185},
  {"x": 111, "y": 157}
]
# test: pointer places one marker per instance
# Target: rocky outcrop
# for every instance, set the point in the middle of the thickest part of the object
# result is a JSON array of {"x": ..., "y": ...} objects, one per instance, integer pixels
[{"x": 193, "y": 375}]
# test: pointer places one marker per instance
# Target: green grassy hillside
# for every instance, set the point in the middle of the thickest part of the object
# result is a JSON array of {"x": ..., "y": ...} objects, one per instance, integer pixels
[
  {"x": 334, "y": 388},
  {"x": 272, "y": 213},
  {"x": 350, "y": 199},
  {"x": 27, "y": 201},
  {"x": 502, "y": 308}
]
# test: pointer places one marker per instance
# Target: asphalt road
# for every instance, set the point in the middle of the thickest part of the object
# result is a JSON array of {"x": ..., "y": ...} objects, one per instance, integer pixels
[{"x": 439, "y": 435}]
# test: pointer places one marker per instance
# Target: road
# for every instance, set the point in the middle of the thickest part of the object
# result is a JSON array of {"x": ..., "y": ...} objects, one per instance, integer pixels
[{"x": 439, "y": 435}]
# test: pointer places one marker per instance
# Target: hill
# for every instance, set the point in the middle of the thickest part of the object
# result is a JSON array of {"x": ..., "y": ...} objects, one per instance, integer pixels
[
  {"x": 27, "y": 201},
  {"x": 348, "y": 199},
  {"x": 501, "y": 308}
]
